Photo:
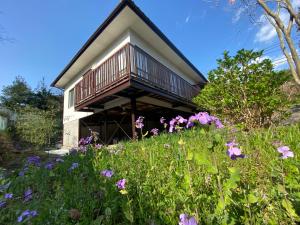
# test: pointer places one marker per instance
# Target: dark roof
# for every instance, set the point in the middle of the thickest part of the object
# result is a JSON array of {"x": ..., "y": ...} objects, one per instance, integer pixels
[{"x": 109, "y": 19}]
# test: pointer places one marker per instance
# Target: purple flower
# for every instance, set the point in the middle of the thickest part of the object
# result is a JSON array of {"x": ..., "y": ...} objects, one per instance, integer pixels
[
  {"x": 2, "y": 204},
  {"x": 22, "y": 172},
  {"x": 81, "y": 141},
  {"x": 191, "y": 121},
  {"x": 203, "y": 118},
  {"x": 233, "y": 151},
  {"x": 139, "y": 122},
  {"x": 184, "y": 219},
  {"x": 28, "y": 195},
  {"x": 98, "y": 146},
  {"x": 27, "y": 214},
  {"x": 83, "y": 149},
  {"x": 285, "y": 152},
  {"x": 88, "y": 140},
  {"x": 162, "y": 120},
  {"x": 121, "y": 184},
  {"x": 34, "y": 160},
  {"x": 85, "y": 141},
  {"x": 154, "y": 131},
  {"x": 180, "y": 119},
  {"x": 217, "y": 122},
  {"x": 49, "y": 166},
  {"x": 74, "y": 166},
  {"x": 107, "y": 173},
  {"x": 173, "y": 123},
  {"x": 8, "y": 196},
  {"x": 231, "y": 144}
]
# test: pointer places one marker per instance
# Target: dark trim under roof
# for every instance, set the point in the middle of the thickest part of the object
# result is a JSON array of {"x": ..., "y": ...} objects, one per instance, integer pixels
[{"x": 109, "y": 19}]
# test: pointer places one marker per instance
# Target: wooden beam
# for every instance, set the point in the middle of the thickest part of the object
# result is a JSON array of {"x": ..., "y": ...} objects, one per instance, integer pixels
[
  {"x": 105, "y": 127},
  {"x": 116, "y": 130},
  {"x": 133, "y": 112}
]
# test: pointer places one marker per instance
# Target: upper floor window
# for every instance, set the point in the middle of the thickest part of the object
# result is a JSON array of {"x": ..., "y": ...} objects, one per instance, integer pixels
[{"x": 71, "y": 98}]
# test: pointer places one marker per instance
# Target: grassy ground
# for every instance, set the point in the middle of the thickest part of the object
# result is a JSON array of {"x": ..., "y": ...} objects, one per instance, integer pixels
[{"x": 187, "y": 172}]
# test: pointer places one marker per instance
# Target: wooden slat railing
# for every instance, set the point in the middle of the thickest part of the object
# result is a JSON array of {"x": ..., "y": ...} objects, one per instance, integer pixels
[{"x": 131, "y": 62}]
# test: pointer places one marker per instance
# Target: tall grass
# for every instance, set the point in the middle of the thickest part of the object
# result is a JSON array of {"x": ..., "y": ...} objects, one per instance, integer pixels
[{"x": 167, "y": 175}]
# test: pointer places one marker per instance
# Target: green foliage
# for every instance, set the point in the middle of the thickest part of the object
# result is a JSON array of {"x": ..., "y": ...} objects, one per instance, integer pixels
[
  {"x": 245, "y": 89},
  {"x": 39, "y": 112},
  {"x": 16, "y": 95},
  {"x": 36, "y": 126},
  {"x": 194, "y": 175}
]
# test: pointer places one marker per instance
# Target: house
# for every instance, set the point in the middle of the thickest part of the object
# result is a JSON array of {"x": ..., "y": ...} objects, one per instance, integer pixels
[{"x": 127, "y": 68}]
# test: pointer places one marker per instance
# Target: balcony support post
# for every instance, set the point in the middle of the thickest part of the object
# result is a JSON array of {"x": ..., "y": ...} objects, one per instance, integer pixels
[
  {"x": 133, "y": 112},
  {"x": 105, "y": 127}
]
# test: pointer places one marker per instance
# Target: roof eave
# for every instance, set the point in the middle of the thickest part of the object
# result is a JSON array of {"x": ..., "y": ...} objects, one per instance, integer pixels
[{"x": 106, "y": 23}]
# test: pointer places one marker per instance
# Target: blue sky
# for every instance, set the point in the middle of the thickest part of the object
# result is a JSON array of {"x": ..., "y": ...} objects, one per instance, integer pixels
[{"x": 45, "y": 35}]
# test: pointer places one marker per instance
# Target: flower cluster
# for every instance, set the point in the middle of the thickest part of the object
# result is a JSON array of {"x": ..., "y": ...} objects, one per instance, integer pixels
[
  {"x": 185, "y": 219},
  {"x": 285, "y": 152},
  {"x": 6, "y": 196},
  {"x": 176, "y": 122},
  {"x": 26, "y": 215},
  {"x": 205, "y": 119},
  {"x": 154, "y": 131},
  {"x": 34, "y": 160},
  {"x": 28, "y": 195},
  {"x": 107, "y": 173},
  {"x": 121, "y": 184},
  {"x": 233, "y": 151},
  {"x": 73, "y": 166},
  {"x": 139, "y": 123},
  {"x": 85, "y": 141}
]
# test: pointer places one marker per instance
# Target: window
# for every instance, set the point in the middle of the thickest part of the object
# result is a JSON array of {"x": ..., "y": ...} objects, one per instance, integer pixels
[{"x": 71, "y": 98}]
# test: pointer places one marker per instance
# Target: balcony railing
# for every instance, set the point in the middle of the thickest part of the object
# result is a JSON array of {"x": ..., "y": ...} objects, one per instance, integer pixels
[{"x": 132, "y": 63}]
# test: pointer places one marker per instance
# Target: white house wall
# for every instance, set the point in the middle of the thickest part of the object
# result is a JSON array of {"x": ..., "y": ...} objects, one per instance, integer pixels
[
  {"x": 69, "y": 113},
  {"x": 70, "y": 116}
]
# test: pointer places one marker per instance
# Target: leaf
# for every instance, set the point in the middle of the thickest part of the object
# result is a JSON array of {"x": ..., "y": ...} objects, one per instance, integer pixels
[
  {"x": 201, "y": 159},
  {"x": 212, "y": 170},
  {"x": 189, "y": 155},
  {"x": 218, "y": 138},
  {"x": 107, "y": 212},
  {"x": 252, "y": 198},
  {"x": 181, "y": 142},
  {"x": 290, "y": 209},
  {"x": 187, "y": 181},
  {"x": 128, "y": 212},
  {"x": 123, "y": 192}
]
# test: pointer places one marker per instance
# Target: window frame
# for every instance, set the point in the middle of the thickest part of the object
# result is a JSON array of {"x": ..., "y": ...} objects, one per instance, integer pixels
[{"x": 71, "y": 98}]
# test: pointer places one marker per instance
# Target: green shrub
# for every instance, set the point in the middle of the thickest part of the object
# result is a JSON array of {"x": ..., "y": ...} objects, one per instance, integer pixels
[
  {"x": 187, "y": 172},
  {"x": 36, "y": 126},
  {"x": 245, "y": 89}
]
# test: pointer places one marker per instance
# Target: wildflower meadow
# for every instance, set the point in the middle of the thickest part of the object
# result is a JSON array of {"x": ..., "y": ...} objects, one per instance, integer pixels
[{"x": 188, "y": 171}]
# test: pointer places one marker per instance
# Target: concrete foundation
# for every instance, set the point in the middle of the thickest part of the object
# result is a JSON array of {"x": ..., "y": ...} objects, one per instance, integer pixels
[{"x": 71, "y": 134}]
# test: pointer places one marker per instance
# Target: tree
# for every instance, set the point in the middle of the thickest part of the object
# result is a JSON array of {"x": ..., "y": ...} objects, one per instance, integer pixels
[
  {"x": 17, "y": 95},
  {"x": 39, "y": 112},
  {"x": 273, "y": 10},
  {"x": 245, "y": 89}
]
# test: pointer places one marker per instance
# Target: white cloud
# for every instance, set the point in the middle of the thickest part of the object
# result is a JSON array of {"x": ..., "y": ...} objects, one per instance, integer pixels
[
  {"x": 187, "y": 19},
  {"x": 238, "y": 14},
  {"x": 266, "y": 31}
]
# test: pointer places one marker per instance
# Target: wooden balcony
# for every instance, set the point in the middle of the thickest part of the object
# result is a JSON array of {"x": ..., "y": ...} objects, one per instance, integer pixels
[{"x": 128, "y": 70}]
